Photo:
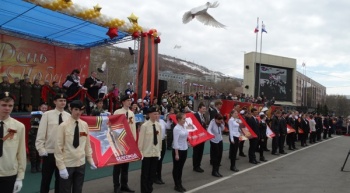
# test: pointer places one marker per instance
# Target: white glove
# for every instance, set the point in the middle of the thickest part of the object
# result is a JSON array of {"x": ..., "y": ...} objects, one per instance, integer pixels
[
  {"x": 18, "y": 186},
  {"x": 43, "y": 154},
  {"x": 160, "y": 157},
  {"x": 93, "y": 166},
  {"x": 64, "y": 174}
]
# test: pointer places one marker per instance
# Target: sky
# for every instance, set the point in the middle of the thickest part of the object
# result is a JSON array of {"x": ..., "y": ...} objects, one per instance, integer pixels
[{"x": 314, "y": 32}]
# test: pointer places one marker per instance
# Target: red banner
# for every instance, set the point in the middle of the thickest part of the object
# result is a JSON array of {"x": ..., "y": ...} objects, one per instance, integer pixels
[
  {"x": 111, "y": 140},
  {"x": 41, "y": 61},
  {"x": 247, "y": 131},
  {"x": 290, "y": 129},
  {"x": 197, "y": 134}
]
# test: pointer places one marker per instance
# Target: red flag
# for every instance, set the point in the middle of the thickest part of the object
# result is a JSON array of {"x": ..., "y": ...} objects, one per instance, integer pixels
[
  {"x": 197, "y": 134},
  {"x": 247, "y": 131},
  {"x": 111, "y": 140},
  {"x": 290, "y": 129}
]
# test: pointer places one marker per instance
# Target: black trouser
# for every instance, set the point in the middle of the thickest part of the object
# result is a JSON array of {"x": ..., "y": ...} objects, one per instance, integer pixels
[
  {"x": 233, "y": 151},
  {"x": 312, "y": 137},
  {"x": 318, "y": 134},
  {"x": 7, "y": 183},
  {"x": 330, "y": 132},
  {"x": 253, "y": 143},
  {"x": 169, "y": 138},
  {"x": 216, "y": 154},
  {"x": 303, "y": 139},
  {"x": 160, "y": 162},
  {"x": 325, "y": 133},
  {"x": 275, "y": 141},
  {"x": 197, "y": 155},
  {"x": 75, "y": 181},
  {"x": 291, "y": 138},
  {"x": 121, "y": 170},
  {"x": 281, "y": 141},
  {"x": 178, "y": 166},
  {"x": 240, "y": 147},
  {"x": 265, "y": 142},
  {"x": 261, "y": 147},
  {"x": 148, "y": 173},
  {"x": 49, "y": 167}
]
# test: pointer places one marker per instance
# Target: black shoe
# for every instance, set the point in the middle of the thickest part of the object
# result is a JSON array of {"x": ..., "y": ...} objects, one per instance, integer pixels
[
  {"x": 253, "y": 162},
  {"x": 157, "y": 181},
  {"x": 126, "y": 189},
  {"x": 184, "y": 189},
  {"x": 283, "y": 152},
  {"x": 266, "y": 149},
  {"x": 242, "y": 155},
  {"x": 198, "y": 169},
  {"x": 294, "y": 148},
  {"x": 178, "y": 189},
  {"x": 216, "y": 174},
  {"x": 275, "y": 154},
  {"x": 263, "y": 159},
  {"x": 234, "y": 169},
  {"x": 117, "y": 190}
]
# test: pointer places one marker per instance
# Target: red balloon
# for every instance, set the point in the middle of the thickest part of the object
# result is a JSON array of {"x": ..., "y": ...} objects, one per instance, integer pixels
[
  {"x": 112, "y": 32},
  {"x": 135, "y": 35},
  {"x": 144, "y": 34},
  {"x": 157, "y": 40}
]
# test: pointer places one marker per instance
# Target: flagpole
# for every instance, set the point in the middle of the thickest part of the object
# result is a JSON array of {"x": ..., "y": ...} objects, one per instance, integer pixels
[
  {"x": 256, "y": 44},
  {"x": 261, "y": 33}
]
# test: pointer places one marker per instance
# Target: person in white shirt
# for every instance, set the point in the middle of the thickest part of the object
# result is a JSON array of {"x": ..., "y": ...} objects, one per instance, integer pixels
[
  {"x": 164, "y": 126},
  {"x": 102, "y": 92},
  {"x": 12, "y": 147},
  {"x": 312, "y": 124},
  {"x": 216, "y": 126},
  {"x": 179, "y": 152},
  {"x": 233, "y": 125}
]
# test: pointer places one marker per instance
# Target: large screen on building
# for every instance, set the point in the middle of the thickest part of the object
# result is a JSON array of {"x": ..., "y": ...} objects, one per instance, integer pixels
[{"x": 274, "y": 82}]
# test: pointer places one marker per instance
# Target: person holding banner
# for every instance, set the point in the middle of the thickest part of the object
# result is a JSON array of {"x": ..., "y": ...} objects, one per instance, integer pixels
[
  {"x": 283, "y": 132},
  {"x": 234, "y": 130},
  {"x": 262, "y": 132},
  {"x": 12, "y": 147},
  {"x": 291, "y": 137},
  {"x": 46, "y": 141},
  {"x": 71, "y": 150},
  {"x": 305, "y": 130},
  {"x": 275, "y": 127},
  {"x": 198, "y": 149},
  {"x": 253, "y": 123},
  {"x": 150, "y": 146},
  {"x": 216, "y": 126},
  {"x": 179, "y": 153},
  {"x": 122, "y": 169}
]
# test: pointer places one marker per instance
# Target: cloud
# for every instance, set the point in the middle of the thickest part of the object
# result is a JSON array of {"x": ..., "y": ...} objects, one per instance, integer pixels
[{"x": 310, "y": 31}]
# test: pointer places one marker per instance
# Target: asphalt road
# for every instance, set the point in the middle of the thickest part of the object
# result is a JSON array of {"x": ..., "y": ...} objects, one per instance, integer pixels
[{"x": 312, "y": 169}]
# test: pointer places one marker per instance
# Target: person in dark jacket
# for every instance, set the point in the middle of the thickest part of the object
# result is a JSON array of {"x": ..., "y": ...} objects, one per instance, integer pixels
[
  {"x": 283, "y": 133},
  {"x": 253, "y": 123},
  {"x": 262, "y": 132},
  {"x": 275, "y": 127},
  {"x": 305, "y": 130}
]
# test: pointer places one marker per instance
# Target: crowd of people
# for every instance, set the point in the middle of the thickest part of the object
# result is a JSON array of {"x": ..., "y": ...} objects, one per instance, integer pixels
[{"x": 58, "y": 142}]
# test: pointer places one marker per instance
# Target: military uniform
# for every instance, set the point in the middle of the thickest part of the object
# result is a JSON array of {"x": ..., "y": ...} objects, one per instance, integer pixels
[
  {"x": 5, "y": 87},
  {"x": 26, "y": 89},
  {"x": 15, "y": 89},
  {"x": 36, "y": 96}
]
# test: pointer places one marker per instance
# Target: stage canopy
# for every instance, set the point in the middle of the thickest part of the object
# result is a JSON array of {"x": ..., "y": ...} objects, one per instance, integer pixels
[{"x": 26, "y": 20}]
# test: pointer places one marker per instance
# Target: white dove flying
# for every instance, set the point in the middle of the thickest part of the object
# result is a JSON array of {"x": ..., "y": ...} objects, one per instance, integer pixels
[
  {"x": 103, "y": 67},
  {"x": 200, "y": 13}
]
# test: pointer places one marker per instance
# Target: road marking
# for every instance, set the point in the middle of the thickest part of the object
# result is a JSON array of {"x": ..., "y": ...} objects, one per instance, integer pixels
[{"x": 256, "y": 166}]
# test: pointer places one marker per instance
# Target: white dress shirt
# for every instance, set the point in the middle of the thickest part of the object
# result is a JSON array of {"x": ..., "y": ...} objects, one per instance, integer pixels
[
  {"x": 233, "y": 127},
  {"x": 180, "y": 138},
  {"x": 215, "y": 130},
  {"x": 163, "y": 126}
]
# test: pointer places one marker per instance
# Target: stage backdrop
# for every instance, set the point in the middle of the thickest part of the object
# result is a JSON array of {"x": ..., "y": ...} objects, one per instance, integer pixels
[
  {"x": 38, "y": 60},
  {"x": 147, "y": 71}
]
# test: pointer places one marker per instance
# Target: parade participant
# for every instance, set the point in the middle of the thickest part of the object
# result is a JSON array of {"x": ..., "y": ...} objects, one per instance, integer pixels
[
  {"x": 325, "y": 127},
  {"x": 150, "y": 146},
  {"x": 98, "y": 109},
  {"x": 179, "y": 152},
  {"x": 216, "y": 110},
  {"x": 319, "y": 127},
  {"x": 241, "y": 143},
  {"x": 331, "y": 129},
  {"x": 26, "y": 89},
  {"x": 216, "y": 126},
  {"x": 93, "y": 84},
  {"x": 306, "y": 130},
  {"x": 283, "y": 133},
  {"x": 15, "y": 90},
  {"x": 46, "y": 141},
  {"x": 164, "y": 127},
  {"x": 198, "y": 149},
  {"x": 275, "y": 127},
  {"x": 262, "y": 132},
  {"x": 253, "y": 123},
  {"x": 312, "y": 125},
  {"x": 169, "y": 132},
  {"x": 120, "y": 171},
  {"x": 34, "y": 157},
  {"x": 267, "y": 121},
  {"x": 71, "y": 150},
  {"x": 292, "y": 119},
  {"x": 102, "y": 94},
  {"x": 36, "y": 95},
  {"x": 12, "y": 147},
  {"x": 233, "y": 125}
]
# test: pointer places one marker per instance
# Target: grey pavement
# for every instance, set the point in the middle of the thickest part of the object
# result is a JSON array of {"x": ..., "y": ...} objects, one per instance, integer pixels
[{"x": 313, "y": 169}]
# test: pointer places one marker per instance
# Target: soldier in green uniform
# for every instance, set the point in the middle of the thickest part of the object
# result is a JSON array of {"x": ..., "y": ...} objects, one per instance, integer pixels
[
  {"x": 15, "y": 90},
  {"x": 34, "y": 157}
]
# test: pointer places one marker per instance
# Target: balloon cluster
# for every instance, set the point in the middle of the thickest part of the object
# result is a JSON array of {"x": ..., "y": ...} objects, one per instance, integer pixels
[{"x": 94, "y": 15}]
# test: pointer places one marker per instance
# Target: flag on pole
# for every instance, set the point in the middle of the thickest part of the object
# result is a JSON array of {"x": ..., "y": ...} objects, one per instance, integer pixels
[
  {"x": 263, "y": 28},
  {"x": 256, "y": 30}
]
